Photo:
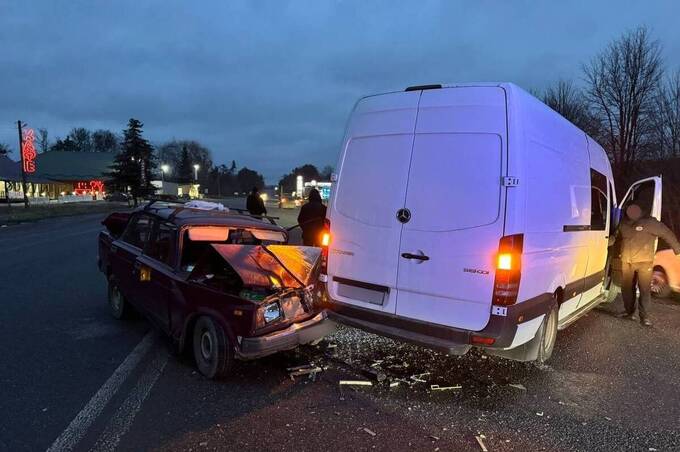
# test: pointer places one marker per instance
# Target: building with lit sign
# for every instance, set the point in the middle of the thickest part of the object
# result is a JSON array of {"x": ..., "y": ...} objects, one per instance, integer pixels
[{"x": 56, "y": 174}]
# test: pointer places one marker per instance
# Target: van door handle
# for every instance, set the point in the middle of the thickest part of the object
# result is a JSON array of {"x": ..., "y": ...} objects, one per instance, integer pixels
[{"x": 419, "y": 257}]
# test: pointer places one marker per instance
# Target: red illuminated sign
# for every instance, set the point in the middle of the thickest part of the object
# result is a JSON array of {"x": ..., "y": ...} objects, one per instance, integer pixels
[
  {"x": 93, "y": 186},
  {"x": 28, "y": 153}
]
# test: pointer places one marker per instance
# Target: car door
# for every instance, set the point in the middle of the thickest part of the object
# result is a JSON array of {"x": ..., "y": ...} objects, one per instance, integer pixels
[
  {"x": 155, "y": 273},
  {"x": 454, "y": 195},
  {"x": 368, "y": 199},
  {"x": 126, "y": 250}
]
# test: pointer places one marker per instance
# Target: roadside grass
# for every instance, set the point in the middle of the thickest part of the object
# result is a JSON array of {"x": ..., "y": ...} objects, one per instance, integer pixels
[{"x": 19, "y": 214}]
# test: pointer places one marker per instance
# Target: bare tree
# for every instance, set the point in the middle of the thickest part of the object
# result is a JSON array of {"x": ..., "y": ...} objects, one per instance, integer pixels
[
  {"x": 43, "y": 142},
  {"x": 621, "y": 92},
  {"x": 567, "y": 100},
  {"x": 667, "y": 117}
]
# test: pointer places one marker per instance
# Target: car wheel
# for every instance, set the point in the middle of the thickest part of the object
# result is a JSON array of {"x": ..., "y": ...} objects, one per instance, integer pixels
[
  {"x": 660, "y": 287},
  {"x": 548, "y": 332},
  {"x": 213, "y": 352},
  {"x": 120, "y": 308}
]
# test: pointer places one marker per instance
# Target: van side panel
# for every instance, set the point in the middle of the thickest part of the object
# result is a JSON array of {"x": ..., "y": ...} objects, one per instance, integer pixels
[
  {"x": 371, "y": 188},
  {"x": 555, "y": 177}
]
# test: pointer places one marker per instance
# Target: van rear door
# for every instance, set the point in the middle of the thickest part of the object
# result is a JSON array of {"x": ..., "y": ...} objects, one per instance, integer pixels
[
  {"x": 448, "y": 245},
  {"x": 371, "y": 188}
]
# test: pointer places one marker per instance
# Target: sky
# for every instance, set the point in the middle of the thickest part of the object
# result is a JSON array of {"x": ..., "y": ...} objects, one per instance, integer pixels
[{"x": 271, "y": 84}]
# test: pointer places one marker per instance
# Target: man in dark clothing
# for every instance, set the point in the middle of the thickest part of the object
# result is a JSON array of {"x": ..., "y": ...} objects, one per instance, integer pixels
[
  {"x": 255, "y": 204},
  {"x": 311, "y": 219},
  {"x": 638, "y": 236}
]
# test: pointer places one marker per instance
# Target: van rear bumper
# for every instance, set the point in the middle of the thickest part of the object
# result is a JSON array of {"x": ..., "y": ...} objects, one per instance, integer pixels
[{"x": 453, "y": 341}]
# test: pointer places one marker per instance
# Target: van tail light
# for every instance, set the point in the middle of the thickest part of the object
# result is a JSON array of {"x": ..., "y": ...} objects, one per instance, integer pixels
[
  {"x": 325, "y": 243},
  {"x": 508, "y": 270}
]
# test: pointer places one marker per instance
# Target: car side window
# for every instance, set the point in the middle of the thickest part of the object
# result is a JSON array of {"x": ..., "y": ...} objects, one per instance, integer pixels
[
  {"x": 598, "y": 201},
  {"x": 162, "y": 245},
  {"x": 138, "y": 231}
]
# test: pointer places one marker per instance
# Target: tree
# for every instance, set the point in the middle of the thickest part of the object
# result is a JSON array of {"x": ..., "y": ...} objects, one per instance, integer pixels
[
  {"x": 133, "y": 166},
  {"x": 247, "y": 179},
  {"x": 569, "y": 101},
  {"x": 667, "y": 117},
  {"x": 171, "y": 153},
  {"x": 308, "y": 173},
  {"x": 104, "y": 141},
  {"x": 326, "y": 173},
  {"x": 43, "y": 142},
  {"x": 621, "y": 88},
  {"x": 4, "y": 149},
  {"x": 65, "y": 145},
  {"x": 184, "y": 167},
  {"x": 82, "y": 139}
]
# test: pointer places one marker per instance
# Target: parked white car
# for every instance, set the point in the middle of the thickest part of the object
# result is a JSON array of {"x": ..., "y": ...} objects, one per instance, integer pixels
[{"x": 470, "y": 215}]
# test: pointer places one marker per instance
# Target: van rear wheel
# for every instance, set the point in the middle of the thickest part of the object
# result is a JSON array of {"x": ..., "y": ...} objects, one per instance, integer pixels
[{"x": 548, "y": 335}]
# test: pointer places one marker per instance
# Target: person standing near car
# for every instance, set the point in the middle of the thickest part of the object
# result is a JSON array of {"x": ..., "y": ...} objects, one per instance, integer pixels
[
  {"x": 311, "y": 219},
  {"x": 255, "y": 204},
  {"x": 638, "y": 236}
]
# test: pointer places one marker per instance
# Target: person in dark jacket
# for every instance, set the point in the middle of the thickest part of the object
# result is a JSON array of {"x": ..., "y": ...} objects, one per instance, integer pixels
[
  {"x": 638, "y": 235},
  {"x": 255, "y": 204},
  {"x": 311, "y": 219}
]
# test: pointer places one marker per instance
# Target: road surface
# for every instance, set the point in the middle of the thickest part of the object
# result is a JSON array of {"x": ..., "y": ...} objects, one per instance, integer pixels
[{"x": 72, "y": 377}]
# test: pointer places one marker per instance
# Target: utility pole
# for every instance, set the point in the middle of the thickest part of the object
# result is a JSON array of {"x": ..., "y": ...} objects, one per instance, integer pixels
[{"x": 23, "y": 170}]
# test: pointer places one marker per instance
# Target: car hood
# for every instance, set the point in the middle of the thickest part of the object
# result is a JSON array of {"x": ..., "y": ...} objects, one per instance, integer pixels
[{"x": 291, "y": 266}]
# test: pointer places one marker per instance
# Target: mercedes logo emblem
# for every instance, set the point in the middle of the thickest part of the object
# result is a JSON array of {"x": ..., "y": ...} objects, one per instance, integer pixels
[{"x": 403, "y": 215}]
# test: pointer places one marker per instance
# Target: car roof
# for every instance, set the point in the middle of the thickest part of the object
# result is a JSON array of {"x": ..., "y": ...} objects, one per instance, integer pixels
[{"x": 186, "y": 216}]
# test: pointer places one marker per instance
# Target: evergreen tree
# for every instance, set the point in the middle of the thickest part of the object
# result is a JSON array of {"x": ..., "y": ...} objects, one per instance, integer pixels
[
  {"x": 185, "y": 168},
  {"x": 133, "y": 166}
]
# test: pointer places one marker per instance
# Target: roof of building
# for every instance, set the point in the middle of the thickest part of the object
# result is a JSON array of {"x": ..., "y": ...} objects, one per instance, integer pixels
[
  {"x": 73, "y": 166},
  {"x": 9, "y": 169}
]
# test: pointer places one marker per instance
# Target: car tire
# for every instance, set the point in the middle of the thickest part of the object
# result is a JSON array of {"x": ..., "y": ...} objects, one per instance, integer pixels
[
  {"x": 660, "y": 287},
  {"x": 548, "y": 335},
  {"x": 213, "y": 352},
  {"x": 118, "y": 305}
]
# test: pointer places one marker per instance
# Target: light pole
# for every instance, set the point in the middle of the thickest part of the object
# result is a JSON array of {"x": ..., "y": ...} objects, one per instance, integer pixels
[{"x": 196, "y": 167}]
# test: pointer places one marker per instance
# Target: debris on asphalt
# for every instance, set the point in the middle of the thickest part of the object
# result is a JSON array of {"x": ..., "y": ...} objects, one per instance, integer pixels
[
  {"x": 307, "y": 369},
  {"x": 203, "y": 444},
  {"x": 539, "y": 413},
  {"x": 418, "y": 377},
  {"x": 394, "y": 384},
  {"x": 369, "y": 431},
  {"x": 444, "y": 388},
  {"x": 518, "y": 386},
  {"x": 355, "y": 383},
  {"x": 480, "y": 441},
  {"x": 374, "y": 374}
]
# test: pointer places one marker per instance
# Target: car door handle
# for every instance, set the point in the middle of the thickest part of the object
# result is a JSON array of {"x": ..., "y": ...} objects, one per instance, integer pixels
[{"x": 419, "y": 257}]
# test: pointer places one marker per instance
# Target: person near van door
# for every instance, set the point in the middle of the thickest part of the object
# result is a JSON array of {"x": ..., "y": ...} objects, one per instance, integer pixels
[
  {"x": 638, "y": 236},
  {"x": 255, "y": 204},
  {"x": 311, "y": 219}
]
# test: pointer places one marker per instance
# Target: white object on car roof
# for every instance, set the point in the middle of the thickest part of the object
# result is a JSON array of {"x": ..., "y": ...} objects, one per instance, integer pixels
[{"x": 206, "y": 205}]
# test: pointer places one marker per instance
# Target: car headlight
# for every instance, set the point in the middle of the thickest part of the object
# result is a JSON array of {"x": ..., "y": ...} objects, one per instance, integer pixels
[{"x": 271, "y": 312}]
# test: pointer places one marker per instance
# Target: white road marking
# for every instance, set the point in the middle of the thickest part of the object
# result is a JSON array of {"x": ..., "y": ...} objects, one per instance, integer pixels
[
  {"x": 83, "y": 420},
  {"x": 122, "y": 419}
]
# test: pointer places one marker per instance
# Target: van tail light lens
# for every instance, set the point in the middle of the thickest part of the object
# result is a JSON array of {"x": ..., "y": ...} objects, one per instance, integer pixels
[
  {"x": 325, "y": 242},
  {"x": 508, "y": 270}
]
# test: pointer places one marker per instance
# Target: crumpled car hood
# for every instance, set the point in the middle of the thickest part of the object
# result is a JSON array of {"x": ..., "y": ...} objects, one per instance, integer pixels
[{"x": 288, "y": 264}]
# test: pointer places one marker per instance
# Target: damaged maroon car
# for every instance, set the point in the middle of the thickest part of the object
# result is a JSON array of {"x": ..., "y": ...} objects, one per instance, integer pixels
[{"x": 222, "y": 284}]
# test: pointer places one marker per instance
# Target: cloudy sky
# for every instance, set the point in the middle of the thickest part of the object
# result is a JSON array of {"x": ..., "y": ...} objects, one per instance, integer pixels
[{"x": 270, "y": 84}]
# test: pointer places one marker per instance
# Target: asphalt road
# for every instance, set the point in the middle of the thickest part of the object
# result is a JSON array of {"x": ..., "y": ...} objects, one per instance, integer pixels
[{"x": 73, "y": 377}]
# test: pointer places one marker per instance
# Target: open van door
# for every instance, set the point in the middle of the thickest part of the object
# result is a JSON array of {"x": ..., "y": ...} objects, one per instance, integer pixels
[{"x": 647, "y": 194}]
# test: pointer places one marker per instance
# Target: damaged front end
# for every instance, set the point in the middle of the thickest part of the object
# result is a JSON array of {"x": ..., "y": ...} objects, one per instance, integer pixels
[{"x": 279, "y": 282}]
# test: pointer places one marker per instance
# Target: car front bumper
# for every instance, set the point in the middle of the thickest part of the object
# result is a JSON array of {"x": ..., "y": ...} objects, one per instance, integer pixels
[{"x": 289, "y": 338}]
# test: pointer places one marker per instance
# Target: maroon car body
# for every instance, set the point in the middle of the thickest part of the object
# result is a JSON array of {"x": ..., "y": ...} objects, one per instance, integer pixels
[{"x": 213, "y": 281}]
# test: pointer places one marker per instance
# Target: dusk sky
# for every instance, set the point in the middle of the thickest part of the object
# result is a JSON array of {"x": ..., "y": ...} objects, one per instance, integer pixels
[{"x": 270, "y": 84}]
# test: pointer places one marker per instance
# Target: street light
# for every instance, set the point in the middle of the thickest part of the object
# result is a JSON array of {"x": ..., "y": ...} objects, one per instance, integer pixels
[
  {"x": 164, "y": 169},
  {"x": 196, "y": 167}
]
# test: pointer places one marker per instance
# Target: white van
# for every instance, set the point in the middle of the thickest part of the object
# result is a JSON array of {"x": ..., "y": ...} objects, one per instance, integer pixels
[{"x": 470, "y": 215}]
